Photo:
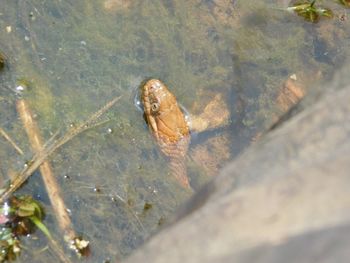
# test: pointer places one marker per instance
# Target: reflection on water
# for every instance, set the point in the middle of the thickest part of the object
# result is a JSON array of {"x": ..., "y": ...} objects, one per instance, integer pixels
[{"x": 76, "y": 55}]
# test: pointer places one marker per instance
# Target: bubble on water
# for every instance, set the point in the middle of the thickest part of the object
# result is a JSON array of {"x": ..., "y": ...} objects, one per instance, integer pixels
[{"x": 137, "y": 99}]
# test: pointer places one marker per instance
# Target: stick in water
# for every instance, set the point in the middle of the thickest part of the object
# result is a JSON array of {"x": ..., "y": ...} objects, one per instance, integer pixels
[
  {"x": 8, "y": 138},
  {"x": 42, "y": 155},
  {"x": 52, "y": 187}
]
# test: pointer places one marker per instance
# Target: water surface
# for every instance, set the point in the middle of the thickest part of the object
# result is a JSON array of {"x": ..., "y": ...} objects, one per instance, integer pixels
[{"x": 77, "y": 55}]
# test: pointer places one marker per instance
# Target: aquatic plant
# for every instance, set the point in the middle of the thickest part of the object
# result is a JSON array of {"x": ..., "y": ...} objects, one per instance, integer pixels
[
  {"x": 19, "y": 216},
  {"x": 309, "y": 11},
  {"x": 9, "y": 245}
]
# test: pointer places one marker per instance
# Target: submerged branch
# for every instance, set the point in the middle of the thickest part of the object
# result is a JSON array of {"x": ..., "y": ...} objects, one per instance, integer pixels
[
  {"x": 51, "y": 184},
  {"x": 13, "y": 144},
  {"x": 40, "y": 156}
]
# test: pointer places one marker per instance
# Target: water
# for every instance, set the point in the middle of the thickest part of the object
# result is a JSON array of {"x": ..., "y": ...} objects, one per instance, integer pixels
[{"x": 74, "y": 56}]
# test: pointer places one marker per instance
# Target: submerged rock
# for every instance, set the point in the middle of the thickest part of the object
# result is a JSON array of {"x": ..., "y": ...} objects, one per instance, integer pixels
[{"x": 286, "y": 199}]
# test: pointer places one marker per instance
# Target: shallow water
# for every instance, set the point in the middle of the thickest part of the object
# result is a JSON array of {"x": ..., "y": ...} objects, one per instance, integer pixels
[{"x": 77, "y": 55}]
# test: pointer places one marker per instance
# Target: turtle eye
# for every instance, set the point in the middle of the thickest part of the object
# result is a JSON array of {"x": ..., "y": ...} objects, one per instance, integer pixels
[{"x": 155, "y": 107}]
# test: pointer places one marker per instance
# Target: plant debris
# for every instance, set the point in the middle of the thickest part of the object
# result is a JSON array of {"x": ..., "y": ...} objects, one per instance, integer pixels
[
  {"x": 19, "y": 216},
  {"x": 2, "y": 61},
  {"x": 310, "y": 11},
  {"x": 80, "y": 246}
]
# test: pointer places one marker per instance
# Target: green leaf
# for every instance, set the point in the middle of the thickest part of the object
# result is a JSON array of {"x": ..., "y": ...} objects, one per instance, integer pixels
[
  {"x": 326, "y": 12},
  {"x": 41, "y": 226},
  {"x": 29, "y": 207},
  {"x": 26, "y": 209}
]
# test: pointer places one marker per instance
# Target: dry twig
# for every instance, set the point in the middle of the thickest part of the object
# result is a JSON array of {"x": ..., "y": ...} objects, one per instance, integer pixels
[{"x": 52, "y": 187}]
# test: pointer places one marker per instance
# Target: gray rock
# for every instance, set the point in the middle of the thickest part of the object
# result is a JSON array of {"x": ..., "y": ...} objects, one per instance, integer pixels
[
  {"x": 286, "y": 199},
  {"x": 321, "y": 246}
]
